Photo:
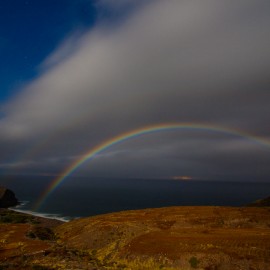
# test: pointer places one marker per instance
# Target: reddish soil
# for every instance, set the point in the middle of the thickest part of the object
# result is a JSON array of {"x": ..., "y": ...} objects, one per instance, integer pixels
[
  {"x": 14, "y": 242},
  {"x": 209, "y": 238}
]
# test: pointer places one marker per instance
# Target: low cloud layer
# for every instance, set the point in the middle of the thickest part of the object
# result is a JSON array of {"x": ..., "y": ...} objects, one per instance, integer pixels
[{"x": 167, "y": 61}]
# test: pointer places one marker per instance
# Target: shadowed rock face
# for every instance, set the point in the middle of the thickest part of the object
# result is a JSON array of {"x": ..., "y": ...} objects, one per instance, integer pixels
[{"x": 7, "y": 198}]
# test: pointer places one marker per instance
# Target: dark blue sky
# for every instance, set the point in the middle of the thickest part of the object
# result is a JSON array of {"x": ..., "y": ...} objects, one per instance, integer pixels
[{"x": 30, "y": 30}]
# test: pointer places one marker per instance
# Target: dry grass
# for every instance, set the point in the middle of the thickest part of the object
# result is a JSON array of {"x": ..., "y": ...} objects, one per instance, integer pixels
[{"x": 209, "y": 238}]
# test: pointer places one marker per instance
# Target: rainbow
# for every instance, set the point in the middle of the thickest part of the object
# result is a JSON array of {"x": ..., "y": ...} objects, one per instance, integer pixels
[{"x": 92, "y": 153}]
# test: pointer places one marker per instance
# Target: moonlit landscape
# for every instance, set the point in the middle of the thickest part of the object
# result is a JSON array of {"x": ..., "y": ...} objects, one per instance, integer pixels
[{"x": 111, "y": 105}]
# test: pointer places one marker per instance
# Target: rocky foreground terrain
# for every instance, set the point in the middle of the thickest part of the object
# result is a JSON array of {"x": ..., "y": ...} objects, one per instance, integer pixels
[{"x": 210, "y": 238}]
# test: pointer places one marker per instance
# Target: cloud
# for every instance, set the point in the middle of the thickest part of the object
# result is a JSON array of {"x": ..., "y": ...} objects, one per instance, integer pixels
[
  {"x": 65, "y": 50},
  {"x": 118, "y": 6},
  {"x": 168, "y": 61}
]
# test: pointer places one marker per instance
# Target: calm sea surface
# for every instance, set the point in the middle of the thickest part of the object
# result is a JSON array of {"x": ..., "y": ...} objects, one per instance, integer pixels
[{"x": 79, "y": 197}]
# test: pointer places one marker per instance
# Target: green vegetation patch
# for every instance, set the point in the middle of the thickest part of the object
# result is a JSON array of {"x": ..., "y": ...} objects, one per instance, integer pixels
[
  {"x": 193, "y": 261},
  {"x": 15, "y": 217},
  {"x": 42, "y": 233}
]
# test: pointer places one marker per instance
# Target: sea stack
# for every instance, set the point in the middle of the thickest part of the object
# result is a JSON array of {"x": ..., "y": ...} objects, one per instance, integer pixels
[{"x": 7, "y": 198}]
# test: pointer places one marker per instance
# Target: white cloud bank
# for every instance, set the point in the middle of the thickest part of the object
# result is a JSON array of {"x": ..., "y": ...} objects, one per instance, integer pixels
[{"x": 169, "y": 61}]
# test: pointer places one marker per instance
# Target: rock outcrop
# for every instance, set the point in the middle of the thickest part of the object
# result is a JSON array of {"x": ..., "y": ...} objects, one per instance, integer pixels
[
  {"x": 260, "y": 203},
  {"x": 7, "y": 198}
]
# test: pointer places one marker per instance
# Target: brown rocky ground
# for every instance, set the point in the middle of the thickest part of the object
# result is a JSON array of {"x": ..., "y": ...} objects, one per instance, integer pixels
[{"x": 210, "y": 238}]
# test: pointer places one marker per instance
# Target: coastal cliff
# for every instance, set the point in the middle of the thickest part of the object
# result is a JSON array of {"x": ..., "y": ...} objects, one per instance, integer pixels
[{"x": 7, "y": 198}]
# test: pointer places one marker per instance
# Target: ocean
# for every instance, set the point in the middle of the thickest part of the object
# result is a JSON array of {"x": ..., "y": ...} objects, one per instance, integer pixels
[{"x": 81, "y": 197}]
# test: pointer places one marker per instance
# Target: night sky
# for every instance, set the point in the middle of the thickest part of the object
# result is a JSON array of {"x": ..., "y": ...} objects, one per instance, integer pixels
[{"x": 74, "y": 74}]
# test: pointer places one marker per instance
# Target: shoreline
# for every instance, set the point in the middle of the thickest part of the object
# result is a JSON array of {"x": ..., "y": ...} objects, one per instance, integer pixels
[{"x": 40, "y": 215}]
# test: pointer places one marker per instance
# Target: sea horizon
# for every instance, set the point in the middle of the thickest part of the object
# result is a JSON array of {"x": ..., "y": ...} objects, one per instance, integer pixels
[{"x": 82, "y": 197}]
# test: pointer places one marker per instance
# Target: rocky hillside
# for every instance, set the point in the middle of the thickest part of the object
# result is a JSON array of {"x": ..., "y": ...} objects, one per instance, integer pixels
[
  {"x": 261, "y": 203},
  {"x": 209, "y": 238},
  {"x": 7, "y": 198}
]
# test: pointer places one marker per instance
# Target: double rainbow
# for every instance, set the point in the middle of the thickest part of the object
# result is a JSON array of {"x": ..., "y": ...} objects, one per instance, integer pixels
[{"x": 89, "y": 155}]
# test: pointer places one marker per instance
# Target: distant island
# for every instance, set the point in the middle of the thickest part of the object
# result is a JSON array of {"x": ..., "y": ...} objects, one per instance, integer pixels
[{"x": 189, "y": 237}]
